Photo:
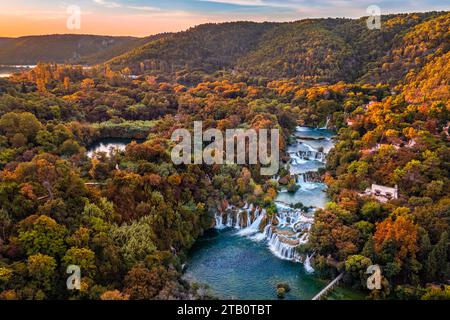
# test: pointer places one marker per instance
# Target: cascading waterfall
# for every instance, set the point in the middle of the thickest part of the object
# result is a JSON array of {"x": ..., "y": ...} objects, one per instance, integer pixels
[
  {"x": 238, "y": 219},
  {"x": 253, "y": 227},
  {"x": 326, "y": 124},
  {"x": 307, "y": 264},
  {"x": 219, "y": 223},
  {"x": 290, "y": 227},
  {"x": 299, "y": 157},
  {"x": 229, "y": 221},
  {"x": 281, "y": 249},
  {"x": 290, "y": 231}
]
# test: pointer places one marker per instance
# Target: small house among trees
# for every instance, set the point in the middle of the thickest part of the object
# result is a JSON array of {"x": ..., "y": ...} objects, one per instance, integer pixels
[{"x": 382, "y": 193}]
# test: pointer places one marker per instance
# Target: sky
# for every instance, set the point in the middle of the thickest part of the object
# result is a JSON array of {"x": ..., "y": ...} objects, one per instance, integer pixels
[{"x": 147, "y": 17}]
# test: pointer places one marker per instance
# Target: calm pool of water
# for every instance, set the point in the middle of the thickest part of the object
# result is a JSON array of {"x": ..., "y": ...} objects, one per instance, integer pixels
[
  {"x": 236, "y": 267},
  {"x": 109, "y": 144}
]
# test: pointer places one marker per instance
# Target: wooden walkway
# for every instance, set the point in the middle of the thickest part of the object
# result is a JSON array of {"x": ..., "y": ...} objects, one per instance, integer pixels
[{"x": 328, "y": 288}]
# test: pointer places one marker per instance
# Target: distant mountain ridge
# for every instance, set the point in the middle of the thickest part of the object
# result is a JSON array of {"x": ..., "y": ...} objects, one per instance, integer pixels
[
  {"x": 62, "y": 48},
  {"x": 310, "y": 50}
]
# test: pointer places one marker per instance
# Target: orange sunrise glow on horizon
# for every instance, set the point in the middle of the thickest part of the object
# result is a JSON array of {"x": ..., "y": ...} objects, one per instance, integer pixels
[{"x": 147, "y": 17}]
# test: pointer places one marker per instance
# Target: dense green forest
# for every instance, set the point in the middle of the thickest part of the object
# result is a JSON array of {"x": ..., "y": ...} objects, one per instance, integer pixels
[
  {"x": 129, "y": 218},
  {"x": 312, "y": 50}
]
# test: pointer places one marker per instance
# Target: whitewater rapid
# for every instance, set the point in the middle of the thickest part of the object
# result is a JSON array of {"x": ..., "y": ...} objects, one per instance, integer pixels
[{"x": 289, "y": 227}]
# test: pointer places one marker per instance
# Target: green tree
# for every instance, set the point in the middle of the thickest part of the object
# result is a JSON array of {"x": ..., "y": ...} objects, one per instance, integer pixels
[
  {"x": 24, "y": 123},
  {"x": 437, "y": 294},
  {"x": 356, "y": 265},
  {"x": 82, "y": 257},
  {"x": 372, "y": 211},
  {"x": 42, "y": 270},
  {"x": 42, "y": 234},
  {"x": 135, "y": 240},
  {"x": 5, "y": 275},
  {"x": 437, "y": 265}
]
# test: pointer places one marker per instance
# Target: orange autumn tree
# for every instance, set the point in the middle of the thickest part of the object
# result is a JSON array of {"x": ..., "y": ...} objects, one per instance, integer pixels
[{"x": 395, "y": 240}]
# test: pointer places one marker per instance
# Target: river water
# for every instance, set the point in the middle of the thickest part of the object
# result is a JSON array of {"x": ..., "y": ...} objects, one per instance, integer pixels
[
  {"x": 109, "y": 145},
  {"x": 244, "y": 259},
  {"x": 7, "y": 70}
]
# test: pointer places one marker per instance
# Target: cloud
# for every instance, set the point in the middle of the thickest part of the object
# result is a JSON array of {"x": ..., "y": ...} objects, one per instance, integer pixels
[
  {"x": 108, "y": 4},
  {"x": 255, "y": 3},
  {"x": 239, "y": 2},
  {"x": 145, "y": 8},
  {"x": 112, "y": 4}
]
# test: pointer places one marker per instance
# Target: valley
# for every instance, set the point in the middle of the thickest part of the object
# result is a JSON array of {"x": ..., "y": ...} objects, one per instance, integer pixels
[{"x": 362, "y": 117}]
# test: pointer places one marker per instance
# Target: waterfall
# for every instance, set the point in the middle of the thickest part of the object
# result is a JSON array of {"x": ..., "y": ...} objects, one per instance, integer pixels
[
  {"x": 219, "y": 223},
  {"x": 301, "y": 178},
  {"x": 326, "y": 124},
  {"x": 307, "y": 155},
  {"x": 238, "y": 220},
  {"x": 307, "y": 264},
  {"x": 267, "y": 231},
  {"x": 289, "y": 227},
  {"x": 282, "y": 239},
  {"x": 253, "y": 227},
  {"x": 281, "y": 249},
  {"x": 229, "y": 220}
]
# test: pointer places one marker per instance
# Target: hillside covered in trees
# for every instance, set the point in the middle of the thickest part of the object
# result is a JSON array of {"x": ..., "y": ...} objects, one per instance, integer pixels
[
  {"x": 129, "y": 218},
  {"x": 312, "y": 50},
  {"x": 63, "y": 48}
]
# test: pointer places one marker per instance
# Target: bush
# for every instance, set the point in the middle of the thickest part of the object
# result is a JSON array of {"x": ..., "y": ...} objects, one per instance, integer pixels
[{"x": 281, "y": 293}]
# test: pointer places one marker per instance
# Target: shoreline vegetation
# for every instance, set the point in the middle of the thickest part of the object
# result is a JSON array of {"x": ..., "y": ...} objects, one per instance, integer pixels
[
  {"x": 136, "y": 129},
  {"x": 128, "y": 219}
]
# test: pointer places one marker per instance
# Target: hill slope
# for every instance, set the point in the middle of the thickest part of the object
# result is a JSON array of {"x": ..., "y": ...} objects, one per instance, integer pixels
[
  {"x": 313, "y": 50},
  {"x": 62, "y": 48},
  {"x": 208, "y": 47},
  {"x": 423, "y": 44}
]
